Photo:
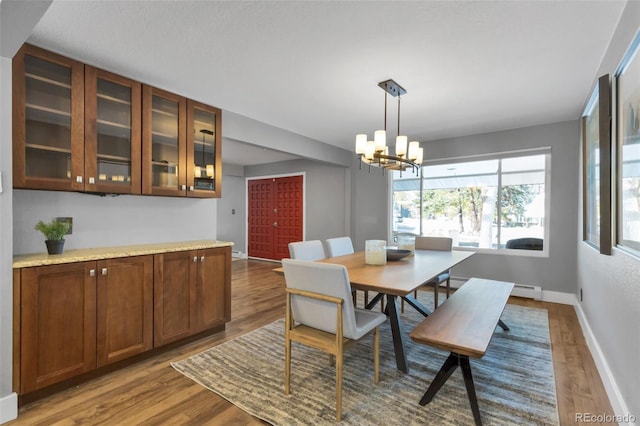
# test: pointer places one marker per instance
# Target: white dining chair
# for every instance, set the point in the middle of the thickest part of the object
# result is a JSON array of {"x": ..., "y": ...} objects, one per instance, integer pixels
[
  {"x": 319, "y": 314},
  {"x": 307, "y": 250},
  {"x": 437, "y": 244},
  {"x": 339, "y": 246}
]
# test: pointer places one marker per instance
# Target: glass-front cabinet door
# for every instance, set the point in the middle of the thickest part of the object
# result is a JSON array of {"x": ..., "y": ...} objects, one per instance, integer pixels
[
  {"x": 204, "y": 170},
  {"x": 48, "y": 109},
  {"x": 164, "y": 149},
  {"x": 112, "y": 133}
]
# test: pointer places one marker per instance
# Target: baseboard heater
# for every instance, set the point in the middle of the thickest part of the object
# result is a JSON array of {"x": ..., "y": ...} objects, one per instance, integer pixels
[{"x": 519, "y": 290}]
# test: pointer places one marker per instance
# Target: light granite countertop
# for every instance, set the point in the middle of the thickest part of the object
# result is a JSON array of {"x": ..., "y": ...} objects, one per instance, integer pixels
[{"x": 99, "y": 253}]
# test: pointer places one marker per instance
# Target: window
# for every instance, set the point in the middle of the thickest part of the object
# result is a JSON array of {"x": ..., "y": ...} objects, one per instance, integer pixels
[
  {"x": 628, "y": 113},
  {"x": 596, "y": 137},
  {"x": 492, "y": 203}
]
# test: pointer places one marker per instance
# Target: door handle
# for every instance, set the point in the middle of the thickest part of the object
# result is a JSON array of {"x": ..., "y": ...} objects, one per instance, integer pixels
[{"x": 275, "y": 224}]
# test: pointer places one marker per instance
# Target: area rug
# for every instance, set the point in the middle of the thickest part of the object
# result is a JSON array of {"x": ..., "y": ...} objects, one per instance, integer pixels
[{"x": 514, "y": 380}]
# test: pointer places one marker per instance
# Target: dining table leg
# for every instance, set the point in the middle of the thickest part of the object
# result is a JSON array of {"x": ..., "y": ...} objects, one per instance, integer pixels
[
  {"x": 398, "y": 344},
  {"x": 416, "y": 305}
]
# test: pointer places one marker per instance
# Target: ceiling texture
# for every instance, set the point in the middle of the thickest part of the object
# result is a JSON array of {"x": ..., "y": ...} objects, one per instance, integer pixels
[{"x": 313, "y": 67}]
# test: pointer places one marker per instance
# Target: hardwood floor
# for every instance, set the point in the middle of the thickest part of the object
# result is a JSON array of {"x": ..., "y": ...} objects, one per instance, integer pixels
[{"x": 150, "y": 392}]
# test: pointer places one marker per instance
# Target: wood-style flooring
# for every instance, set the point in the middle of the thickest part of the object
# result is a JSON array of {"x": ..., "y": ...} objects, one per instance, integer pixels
[{"x": 151, "y": 392}]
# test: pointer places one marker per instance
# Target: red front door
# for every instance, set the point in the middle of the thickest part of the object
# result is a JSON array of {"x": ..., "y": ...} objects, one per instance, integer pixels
[{"x": 275, "y": 216}]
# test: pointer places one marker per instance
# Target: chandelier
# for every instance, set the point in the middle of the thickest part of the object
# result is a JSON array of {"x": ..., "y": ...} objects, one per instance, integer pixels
[{"x": 376, "y": 152}]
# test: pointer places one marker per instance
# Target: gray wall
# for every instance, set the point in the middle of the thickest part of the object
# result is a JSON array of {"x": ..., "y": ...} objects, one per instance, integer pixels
[
  {"x": 558, "y": 271},
  {"x": 111, "y": 221},
  {"x": 611, "y": 284},
  {"x": 231, "y": 226},
  {"x": 326, "y": 189},
  {"x": 17, "y": 20},
  {"x": 369, "y": 204}
]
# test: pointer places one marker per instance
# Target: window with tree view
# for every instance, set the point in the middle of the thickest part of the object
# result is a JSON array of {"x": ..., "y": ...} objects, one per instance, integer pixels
[{"x": 496, "y": 203}]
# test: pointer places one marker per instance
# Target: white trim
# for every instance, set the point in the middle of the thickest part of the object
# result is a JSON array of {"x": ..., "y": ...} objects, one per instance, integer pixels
[
  {"x": 613, "y": 392},
  {"x": 559, "y": 297},
  {"x": 8, "y": 408},
  {"x": 246, "y": 203}
]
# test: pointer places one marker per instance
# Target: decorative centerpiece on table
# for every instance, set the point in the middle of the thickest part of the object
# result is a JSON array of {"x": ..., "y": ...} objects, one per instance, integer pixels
[{"x": 54, "y": 233}]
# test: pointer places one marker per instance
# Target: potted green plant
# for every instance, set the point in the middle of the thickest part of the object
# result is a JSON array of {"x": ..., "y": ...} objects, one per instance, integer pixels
[{"x": 54, "y": 233}]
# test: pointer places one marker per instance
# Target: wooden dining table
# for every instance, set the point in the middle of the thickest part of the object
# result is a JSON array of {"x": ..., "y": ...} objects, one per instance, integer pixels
[{"x": 397, "y": 279}]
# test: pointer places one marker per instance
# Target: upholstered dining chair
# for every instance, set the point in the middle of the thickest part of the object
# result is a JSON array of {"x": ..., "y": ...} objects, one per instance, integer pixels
[
  {"x": 439, "y": 244},
  {"x": 339, "y": 246},
  {"x": 319, "y": 314},
  {"x": 307, "y": 250}
]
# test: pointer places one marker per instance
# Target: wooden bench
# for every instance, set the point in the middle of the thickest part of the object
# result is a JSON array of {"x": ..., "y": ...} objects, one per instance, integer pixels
[{"x": 463, "y": 325}]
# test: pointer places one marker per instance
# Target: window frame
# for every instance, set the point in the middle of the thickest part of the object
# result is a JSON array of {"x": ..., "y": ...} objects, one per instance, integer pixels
[
  {"x": 632, "y": 54},
  {"x": 546, "y": 151}
]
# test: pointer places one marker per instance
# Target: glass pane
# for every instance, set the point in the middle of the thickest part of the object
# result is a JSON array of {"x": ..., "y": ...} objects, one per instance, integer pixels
[
  {"x": 164, "y": 142},
  {"x": 629, "y": 129},
  {"x": 406, "y": 203},
  {"x": 592, "y": 175},
  {"x": 459, "y": 201},
  {"x": 204, "y": 150},
  {"x": 114, "y": 132},
  {"x": 48, "y": 119}
]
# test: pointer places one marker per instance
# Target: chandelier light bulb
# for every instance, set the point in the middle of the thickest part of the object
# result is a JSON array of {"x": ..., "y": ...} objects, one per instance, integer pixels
[
  {"x": 361, "y": 143},
  {"x": 413, "y": 150},
  {"x": 401, "y": 146},
  {"x": 420, "y": 156},
  {"x": 380, "y": 139},
  {"x": 370, "y": 150}
]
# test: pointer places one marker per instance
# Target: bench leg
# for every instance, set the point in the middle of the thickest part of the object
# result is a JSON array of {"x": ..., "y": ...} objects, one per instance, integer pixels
[
  {"x": 443, "y": 375},
  {"x": 471, "y": 390},
  {"x": 503, "y": 325}
]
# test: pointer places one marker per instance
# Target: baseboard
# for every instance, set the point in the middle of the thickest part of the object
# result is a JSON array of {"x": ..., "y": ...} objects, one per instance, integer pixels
[
  {"x": 559, "y": 297},
  {"x": 238, "y": 255},
  {"x": 8, "y": 408},
  {"x": 613, "y": 392}
]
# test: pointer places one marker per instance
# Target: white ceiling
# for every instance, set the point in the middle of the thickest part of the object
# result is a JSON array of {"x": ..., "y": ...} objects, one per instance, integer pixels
[{"x": 312, "y": 67}]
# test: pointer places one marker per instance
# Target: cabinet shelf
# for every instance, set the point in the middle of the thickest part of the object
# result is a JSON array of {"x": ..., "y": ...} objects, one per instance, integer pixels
[
  {"x": 113, "y": 99},
  {"x": 47, "y": 80},
  {"x": 45, "y": 109},
  {"x": 165, "y": 113},
  {"x": 163, "y": 164},
  {"x": 48, "y": 148},
  {"x": 102, "y": 158}
]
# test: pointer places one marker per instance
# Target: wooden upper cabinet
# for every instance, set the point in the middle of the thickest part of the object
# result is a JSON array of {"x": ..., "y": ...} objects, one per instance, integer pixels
[
  {"x": 112, "y": 133},
  {"x": 164, "y": 143},
  {"x": 48, "y": 111},
  {"x": 80, "y": 128},
  {"x": 204, "y": 149}
]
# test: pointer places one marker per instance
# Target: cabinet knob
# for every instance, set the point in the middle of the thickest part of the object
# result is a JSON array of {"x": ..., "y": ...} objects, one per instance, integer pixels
[
  {"x": 191, "y": 188},
  {"x": 202, "y": 259},
  {"x": 104, "y": 271},
  {"x": 79, "y": 179},
  {"x": 195, "y": 259},
  {"x": 92, "y": 180},
  {"x": 92, "y": 272},
  {"x": 183, "y": 187}
]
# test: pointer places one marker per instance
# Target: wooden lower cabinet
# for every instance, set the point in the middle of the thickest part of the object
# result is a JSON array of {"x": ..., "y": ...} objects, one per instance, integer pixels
[
  {"x": 58, "y": 324},
  {"x": 72, "y": 318},
  {"x": 124, "y": 308},
  {"x": 192, "y": 292}
]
